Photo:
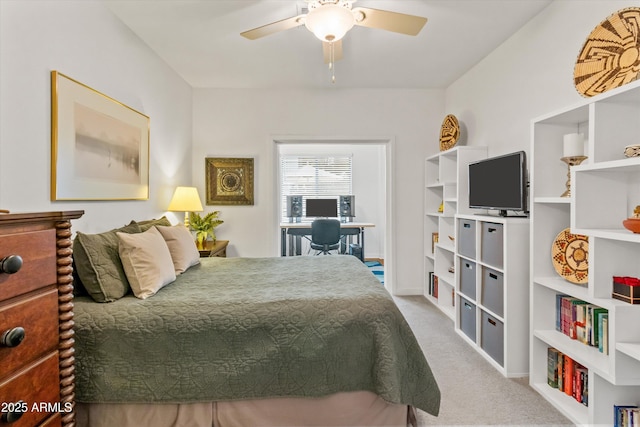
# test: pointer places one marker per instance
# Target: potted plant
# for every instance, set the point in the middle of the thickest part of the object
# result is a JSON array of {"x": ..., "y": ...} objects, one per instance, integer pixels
[{"x": 204, "y": 226}]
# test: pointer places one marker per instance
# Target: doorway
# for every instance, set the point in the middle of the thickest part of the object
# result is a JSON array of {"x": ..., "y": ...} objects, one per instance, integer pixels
[{"x": 382, "y": 242}]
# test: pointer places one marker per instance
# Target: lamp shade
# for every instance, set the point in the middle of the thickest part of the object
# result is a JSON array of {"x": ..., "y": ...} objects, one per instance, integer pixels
[
  {"x": 185, "y": 199},
  {"x": 329, "y": 22}
]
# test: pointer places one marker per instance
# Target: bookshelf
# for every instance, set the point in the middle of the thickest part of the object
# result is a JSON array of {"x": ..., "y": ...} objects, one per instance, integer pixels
[
  {"x": 446, "y": 185},
  {"x": 492, "y": 289},
  {"x": 604, "y": 190}
]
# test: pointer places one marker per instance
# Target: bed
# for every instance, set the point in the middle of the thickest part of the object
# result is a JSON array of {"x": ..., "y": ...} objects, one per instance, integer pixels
[{"x": 252, "y": 341}]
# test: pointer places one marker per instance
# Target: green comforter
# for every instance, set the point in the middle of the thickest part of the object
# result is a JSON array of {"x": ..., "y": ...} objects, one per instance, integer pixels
[{"x": 240, "y": 328}]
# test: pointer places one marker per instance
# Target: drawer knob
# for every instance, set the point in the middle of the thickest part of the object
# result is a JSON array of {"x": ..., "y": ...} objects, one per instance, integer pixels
[
  {"x": 12, "y": 337},
  {"x": 13, "y": 416},
  {"x": 11, "y": 264}
]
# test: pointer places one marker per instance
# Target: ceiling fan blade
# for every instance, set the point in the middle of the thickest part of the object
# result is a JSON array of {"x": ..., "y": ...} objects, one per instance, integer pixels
[
  {"x": 337, "y": 51},
  {"x": 274, "y": 27},
  {"x": 390, "y": 21}
]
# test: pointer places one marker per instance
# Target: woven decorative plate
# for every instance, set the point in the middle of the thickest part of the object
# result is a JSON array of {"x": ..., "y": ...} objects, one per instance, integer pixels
[
  {"x": 449, "y": 132},
  {"x": 570, "y": 256},
  {"x": 611, "y": 55}
]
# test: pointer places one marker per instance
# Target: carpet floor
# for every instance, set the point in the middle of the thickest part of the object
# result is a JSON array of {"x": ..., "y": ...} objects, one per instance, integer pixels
[{"x": 473, "y": 392}]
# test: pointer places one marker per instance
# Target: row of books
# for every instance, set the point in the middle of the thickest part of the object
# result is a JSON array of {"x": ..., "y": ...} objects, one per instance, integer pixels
[
  {"x": 626, "y": 416},
  {"x": 567, "y": 375},
  {"x": 582, "y": 321}
]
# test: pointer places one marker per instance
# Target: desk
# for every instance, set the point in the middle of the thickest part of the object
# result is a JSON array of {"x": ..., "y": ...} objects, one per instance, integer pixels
[{"x": 296, "y": 230}]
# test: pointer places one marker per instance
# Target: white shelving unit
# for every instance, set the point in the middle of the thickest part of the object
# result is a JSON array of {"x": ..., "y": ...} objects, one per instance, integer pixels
[
  {"x": 604, "y": 191},
  {"x": 446, "y": 183},
  {"x": 492, "y": 289}
]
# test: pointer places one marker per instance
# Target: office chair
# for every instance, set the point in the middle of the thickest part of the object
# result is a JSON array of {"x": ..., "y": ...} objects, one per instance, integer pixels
[{"x": 325, "y": 235}]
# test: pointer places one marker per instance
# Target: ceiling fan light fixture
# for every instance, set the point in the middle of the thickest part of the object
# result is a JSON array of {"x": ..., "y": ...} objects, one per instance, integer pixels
[{"x": 329, "y": 22}]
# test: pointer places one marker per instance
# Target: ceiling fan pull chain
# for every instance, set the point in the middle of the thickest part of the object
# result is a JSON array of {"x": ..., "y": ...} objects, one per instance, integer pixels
[{"x": 331, "y": 65}]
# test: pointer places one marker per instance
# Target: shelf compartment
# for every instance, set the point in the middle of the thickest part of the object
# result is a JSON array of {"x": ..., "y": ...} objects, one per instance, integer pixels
[
  {"x": 555, "y": 217},
  {"x": 617, "y": 184},
  {"x": 631, "y": 349}
]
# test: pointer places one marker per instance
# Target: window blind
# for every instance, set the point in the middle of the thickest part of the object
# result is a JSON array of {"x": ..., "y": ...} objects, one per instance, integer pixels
[{"x": 314, "y": 177}]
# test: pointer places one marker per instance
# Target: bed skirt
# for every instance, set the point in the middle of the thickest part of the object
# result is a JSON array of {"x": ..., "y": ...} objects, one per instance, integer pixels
[{"x": 359, "y": 408}]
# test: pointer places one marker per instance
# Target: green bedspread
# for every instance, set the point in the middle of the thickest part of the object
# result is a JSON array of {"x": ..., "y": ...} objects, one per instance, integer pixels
[{"x": 240, "y": 328}]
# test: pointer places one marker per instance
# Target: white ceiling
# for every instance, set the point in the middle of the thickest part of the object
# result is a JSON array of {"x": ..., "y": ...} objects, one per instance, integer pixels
[{"x": 200, "y": 40}]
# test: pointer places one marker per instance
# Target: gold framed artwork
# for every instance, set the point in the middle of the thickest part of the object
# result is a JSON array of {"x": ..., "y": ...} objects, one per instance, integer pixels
[
  {"x": 99, "y": 146},
  {"x": 229, "y": 181}
]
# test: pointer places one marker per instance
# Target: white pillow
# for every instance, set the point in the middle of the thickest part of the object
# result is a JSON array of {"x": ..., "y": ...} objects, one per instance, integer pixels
[
  {"x": 146, "y": 261},
  {"x": 181, "y": 247}
]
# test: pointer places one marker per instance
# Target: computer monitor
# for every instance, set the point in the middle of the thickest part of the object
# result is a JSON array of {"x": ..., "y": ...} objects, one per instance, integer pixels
[{"x": 321, "y": 208}]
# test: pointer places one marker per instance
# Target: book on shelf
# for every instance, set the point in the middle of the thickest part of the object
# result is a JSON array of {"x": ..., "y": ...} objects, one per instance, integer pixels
[
  {"x": 430, "y": 291},
  {"x": 581, "y": 389},
  {"x": 435, "y": 286},
  {"x": 552, "y": 366},
  {"x": 603, "y": 341},
  {"x": 568, "y": 372},
  {"x": 626, "y": 415}
]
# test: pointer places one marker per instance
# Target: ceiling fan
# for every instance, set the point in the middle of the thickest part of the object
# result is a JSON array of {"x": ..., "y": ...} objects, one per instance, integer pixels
[{"x": 330, "y": 20}]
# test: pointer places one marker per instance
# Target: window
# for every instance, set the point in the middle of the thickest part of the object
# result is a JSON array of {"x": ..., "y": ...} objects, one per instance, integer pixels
[{"x": 313, "y": 176}]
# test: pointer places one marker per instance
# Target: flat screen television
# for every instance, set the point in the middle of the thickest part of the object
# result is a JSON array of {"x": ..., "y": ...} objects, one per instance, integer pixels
[
  {"x": 499, "y": 183},
  {"x": 321, "y": 208}
]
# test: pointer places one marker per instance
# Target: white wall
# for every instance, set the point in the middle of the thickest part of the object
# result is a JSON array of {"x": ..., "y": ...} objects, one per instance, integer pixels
[
  {"x": 84, "y": 41},
  {"x": 244, "y": 123},
  {"x": 529, "y": 75}
]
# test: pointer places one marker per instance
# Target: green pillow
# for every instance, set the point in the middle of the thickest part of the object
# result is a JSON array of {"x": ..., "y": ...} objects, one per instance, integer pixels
[
  {"x": 98, "y": 264},
  {"x": 147, "y": 224}
]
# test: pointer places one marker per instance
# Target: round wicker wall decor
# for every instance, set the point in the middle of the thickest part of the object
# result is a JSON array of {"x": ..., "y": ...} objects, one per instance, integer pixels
[
  {"x": 610, "y": 56},
  {"x": 449, "y": 132},
  {"x": 570, "y": 256}
]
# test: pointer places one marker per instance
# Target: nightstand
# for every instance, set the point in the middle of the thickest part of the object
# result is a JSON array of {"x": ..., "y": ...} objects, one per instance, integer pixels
[{"x": 217, "y": 248}]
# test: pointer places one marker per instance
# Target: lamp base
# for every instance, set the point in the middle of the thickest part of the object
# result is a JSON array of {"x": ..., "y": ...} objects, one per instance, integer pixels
[{"x": 571, "y": 161}]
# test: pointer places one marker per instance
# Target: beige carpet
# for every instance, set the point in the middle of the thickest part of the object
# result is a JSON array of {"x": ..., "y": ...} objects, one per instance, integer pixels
[{"x": 473, "y": 392}]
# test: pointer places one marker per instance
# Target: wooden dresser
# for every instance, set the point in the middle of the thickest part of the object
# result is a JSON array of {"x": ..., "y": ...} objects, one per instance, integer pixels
[{"x": 37, "y": 378}]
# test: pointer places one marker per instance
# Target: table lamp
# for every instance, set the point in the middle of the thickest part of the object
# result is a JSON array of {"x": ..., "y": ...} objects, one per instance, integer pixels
[{"x": 185, "y": 199}]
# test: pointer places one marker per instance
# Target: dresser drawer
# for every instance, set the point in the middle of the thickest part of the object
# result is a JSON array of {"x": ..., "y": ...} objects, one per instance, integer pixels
[
  {"x": 38, "y": 252},
  {"x": 40, "y": 383},
  {"x": 38, "y": 316},
  {"x": 54, "y": 421}
]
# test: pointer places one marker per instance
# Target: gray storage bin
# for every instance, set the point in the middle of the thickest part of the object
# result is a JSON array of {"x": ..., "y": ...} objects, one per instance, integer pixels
[
  {"x": 468, "y": 318},
  {"x": 491, "y": 290},
  {"x": 492, "y": 337},
  {"x": 467, "y": 238},
  {"x": 468, "y": 278},
  {"x": 491, "y": 244}
]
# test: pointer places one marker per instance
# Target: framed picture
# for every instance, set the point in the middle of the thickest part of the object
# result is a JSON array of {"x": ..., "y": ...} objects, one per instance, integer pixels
[
  {"x": 229, "y": 181},
  {"x": 99, "y": 146}
]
